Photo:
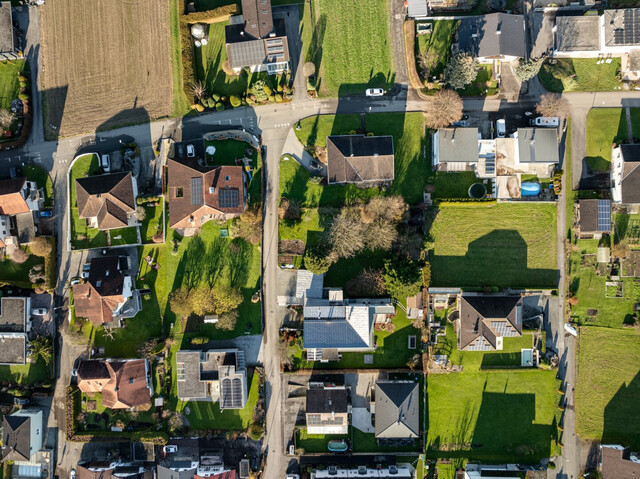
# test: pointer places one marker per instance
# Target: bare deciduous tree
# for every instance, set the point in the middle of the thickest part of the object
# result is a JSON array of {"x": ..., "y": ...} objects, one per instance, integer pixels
[
  {"x": 381, "y": 235},
  {"x": 552, "y": 104},
  {"x": 444, "y": 108},
  {"x": 308, "y": 69},
  {"x": 389, "y": 208},
  {"x": 198, "y": 89},
  {"x": 40, "y": 246},
  {"x": 347, "y": 235},
  {"x": 6, "y": 117}
]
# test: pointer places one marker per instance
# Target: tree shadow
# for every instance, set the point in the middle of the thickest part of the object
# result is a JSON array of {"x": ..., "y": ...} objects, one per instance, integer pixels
[
  {"x": 190, "y": 268},
  {"x": 215, "y": 259},
  {"x": 239, "y": 261},
  {"x": 314, "y": 54},
  {"x": 622, "y": 417}
]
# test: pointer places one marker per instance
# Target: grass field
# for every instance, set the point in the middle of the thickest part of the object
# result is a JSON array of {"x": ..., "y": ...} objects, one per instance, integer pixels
[
  {"x": 108, "y": 69},
  {"x": 484, "y": 84},
  {"x": 350, "y": 58},
  {"x": 608, "y": 386},
  {"x": 316, "y": 442},
  {"x": 9, "y": 83},
  {"x": 580, "y": 74},
  {"x": 465, "y": 411},
  {"x": 31, "y": 373},
  {"x": 605, "y": 126},
  {"x": 411, "y": 165},
  {"x": 503, "y": 245}
]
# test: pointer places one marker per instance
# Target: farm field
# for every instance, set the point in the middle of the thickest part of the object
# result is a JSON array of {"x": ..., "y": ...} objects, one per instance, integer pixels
[
  {"x": 608, "y": 386},
  {"x": 580, "y": 74},
  {"x": 107, "y": 69},
  {"x": 350, "y": 58},
  {"x": 500, "y": 245}
]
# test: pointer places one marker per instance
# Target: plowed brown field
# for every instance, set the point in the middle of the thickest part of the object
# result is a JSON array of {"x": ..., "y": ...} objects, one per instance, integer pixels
[{"x": 106, "y": 63}]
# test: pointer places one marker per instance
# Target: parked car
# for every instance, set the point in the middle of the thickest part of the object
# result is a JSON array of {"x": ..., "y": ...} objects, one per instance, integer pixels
[
  {"x": 105, "y": 163},
  {"x": 501, "y": 128},
  {"x": 38, "y": 311},
  {"x": 84, "y": 275},
  {"x": 45, "y": 214},
  {"x": 545, "y": 122},
  {"x": 75, "y": 280},
  {"x": 20, "y": 401},
  {"x": 170, "y": 449},
  {"x": 459, "y": 124},
  {"x": 74, "y": 372},
  {"x": 374, "y": 92},
  {"x": 72, "y": 474},
  {"x": 191, "y": 151}
]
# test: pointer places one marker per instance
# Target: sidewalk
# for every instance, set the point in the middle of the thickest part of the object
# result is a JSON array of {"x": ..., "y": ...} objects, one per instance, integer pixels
[{"x": 293, "y": 147}]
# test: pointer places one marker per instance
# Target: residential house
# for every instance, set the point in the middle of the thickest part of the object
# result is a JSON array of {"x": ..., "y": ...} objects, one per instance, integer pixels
[
  {"x": 114, "y": 469},
  {"x": 109, "y": 295},
  {"x": 401, "y": 471},
  {"x": 183, "y": 460},
  {"x": 19, "y": 199},
  {"x": 107, "y": 201},
  {"x": 492, "y": 471},
  {"x": 415, "y": 306},
  {"x": 625, "y": 176},
  {"x": 14, "y": 326},
  {"x": 536, "y": 152},
  {"x": 256, "y": 40},
  {"x": 177, "y": 470},
  {"x": 577, "y": 36},
  {"x": 199, "y": 193},
  {"x": 457, "y": 149},
  {"x": 359, "y": 159},
  {"x": 22, "y": 434},
  {"x": 492, "y": 37},
  {"x": 594, "y": 218},
  {"x": 397, "y": 413},
  {"x": 217, "y": 375},
  {"x": 327, "y": 410},
  {"x": 7, "y": 32},
  {"x": 486, "y": 319},
  {"x": 123, "y": 383},
  {"x": 618, "y": 462},
  {"x": 211, "y": 466}
]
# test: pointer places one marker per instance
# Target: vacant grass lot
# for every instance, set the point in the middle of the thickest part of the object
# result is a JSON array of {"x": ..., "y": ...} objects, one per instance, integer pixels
[
  {"x": 608, "y": 386},
  {"x": 438, "y": 44},
  {"x": 409, "y": 143},
  {"x": 465, "y": 411},
  {"x": 580, "y": 74},
  {"x": 605, "y": 126},
  {"x": 488, "y": 244},
  {"x": 351, "y": 58},
  {"x": 9, "y": 83}
]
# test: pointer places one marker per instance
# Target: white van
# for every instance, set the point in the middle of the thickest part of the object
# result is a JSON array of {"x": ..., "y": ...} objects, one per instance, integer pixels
[
  {"x": 105, "y": 163},
  {"x": 501, "y": 128},
  {"x": 546, "y": 122}
]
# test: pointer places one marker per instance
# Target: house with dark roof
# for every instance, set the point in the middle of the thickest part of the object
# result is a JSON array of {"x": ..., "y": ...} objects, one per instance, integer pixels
[
  {"x": 110, "y": 294},
  {"x": 486, "y": 319},
  {"x": 625, "y": 176},
  {"x": 22, "y": 434},
  {"x": 618, "y": 462},
  {"x": 256, "y": 40},
  {"x": 107, "y": 201},
  {"x": 360, "y": 159},
  {"x": 123, "y": 383},
  {"x": 216, "y": 375},
  {"x": 14, "y": 326},
  {"x": 19, "y": 200},
  {"x": 327, "y": 409},
  {"x": 593, "y": 218},
  {"x": 576, "y": 35},
  {"x": 199, "y": 193},
  {"x": 536, "y": 148},
  {"x": 455, "y": 149},
  {"x": 495, "y": 36},
  {"x": 7, "y": 32},
  {"x": 397, "y": 413}
]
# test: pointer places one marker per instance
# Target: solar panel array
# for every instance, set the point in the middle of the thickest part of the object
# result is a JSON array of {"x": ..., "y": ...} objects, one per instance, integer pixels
[
  {"x": 630, "y": 33},
  {"x": 604, "y": 215},
  {"x": 228, "y": 198},
  {"x": 490, "y": 166},
  {"x": 196, "y": 190}
]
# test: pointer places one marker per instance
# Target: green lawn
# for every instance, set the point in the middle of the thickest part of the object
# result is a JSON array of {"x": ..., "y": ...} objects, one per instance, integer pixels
[
  {"x": 570, "y": 194},
  {"x": 411, "y": 166},
  {"x": 37, "y": 373},
  {"x": 605, "y": 126},
  {"x": 228, "y": 151},
  {"x": 589, "y": 289},
  {"x": 580, "y": 74},
  {"x": 351, "y": 58},
  {"x": 488, "y": 244},
  {"x": 392, "y": 349},
  {"x": 316, "y": 442},
  {"x": 454, "y": 185},
  {"x": 42, "y": 178},
  {"x": 608, "y": 386},
  {"x": 484, "y": 84},
  {"x": 17, "y": 274},
  {"x": 497, "y": 416},
  {"x": 152, "y": 222},
  {"x": 366, "y": 442},
  {"x": 9, "y": 83},
  {"x": 207, "y": 415},
  {"x": 143, "y": 419},
  {"x": 304, "y": 11},
  {"x": 438, "y": 42},
  {"x": 180, "y": 103}
]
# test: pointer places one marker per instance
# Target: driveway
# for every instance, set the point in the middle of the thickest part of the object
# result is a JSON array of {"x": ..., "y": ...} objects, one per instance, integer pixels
[{"x": 42, "y": 325}]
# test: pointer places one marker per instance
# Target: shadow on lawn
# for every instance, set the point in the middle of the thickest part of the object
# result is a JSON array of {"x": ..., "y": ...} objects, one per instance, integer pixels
[
  {"x": 497, "y": 259},
  {"x": 621, "y": 416}
]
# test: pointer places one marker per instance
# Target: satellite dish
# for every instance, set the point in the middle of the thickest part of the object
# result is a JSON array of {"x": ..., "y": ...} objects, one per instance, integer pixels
[
  {"x": 197, "y": 43},
  {"x": 198, "y": 31},
  {"x": 211, "y": 150}
]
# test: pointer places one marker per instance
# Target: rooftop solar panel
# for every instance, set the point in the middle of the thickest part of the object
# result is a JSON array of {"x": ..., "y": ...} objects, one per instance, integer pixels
[
  {"x": 604, "y": 215},
  {"x": 228, "y": 198},
  {"x": 196, "y": 190}
]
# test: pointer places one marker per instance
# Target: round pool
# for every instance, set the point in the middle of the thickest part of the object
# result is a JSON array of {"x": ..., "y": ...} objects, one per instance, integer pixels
[{"x": 477, "y": 191}]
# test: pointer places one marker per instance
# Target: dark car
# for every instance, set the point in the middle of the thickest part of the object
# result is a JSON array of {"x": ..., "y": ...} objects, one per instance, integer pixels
[
  {"x": 45, "y": 214},
  {"x": 20, "y": 401},
  {"x": 316, "y": 166}
]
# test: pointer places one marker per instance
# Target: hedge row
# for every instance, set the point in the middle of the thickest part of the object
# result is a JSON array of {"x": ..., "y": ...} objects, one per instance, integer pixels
[
  {"x": 157, "y": 438},
  {"x": 465, "y": 200}
]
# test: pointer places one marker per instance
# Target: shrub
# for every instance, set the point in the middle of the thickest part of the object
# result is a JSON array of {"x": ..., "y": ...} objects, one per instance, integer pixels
[
  {"x": 219, "y": 106},
  {"x": 267, "y": 89},
  {"x": 40, "y": 246},
  {"x": 228, "y": 321},
  {"x": 215, "y": 96},
  {"x": 316, "y": 261},
  {"x": 256, "y": 430},
  {"x": 200, "y": 340},
  {"x": 19, "y": 256},
  {"x": 23, "y": 84},
  {"x": 235, "y": 101},
  {"x": 22, "y": 78},
  {"x": 402, "y": 278},
  {"x": 279, "y": 97},
  {"x": 24, "y": 97},
  {"x": 199, "y": 108}
]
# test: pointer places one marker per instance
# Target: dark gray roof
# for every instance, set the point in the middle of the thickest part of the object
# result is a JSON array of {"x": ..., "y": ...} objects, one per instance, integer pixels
[
  {"x": 245, "y": 50},
  {"x": 13, "y": 315},
  {"x": 577, "y": 33},
  {"x": 6, "y": 28},
  {"x": 538, "y": 145},
  {"x": 326, "y": 400},
  {"x": 479, "y": 312},
  {"x": 13, "y": 348},
  {"x": 16, "y": 438},
  {"x": 105, "y": 275},
  {"x": 358, "y": 158},
  {"x": 630, "y": 173},
  {"x": 189, "y": 383},
  {"x": 26, "y": 227},
  {"x": 479, "y": 35},
  {"x": 397, "y": 409},
  {"x": 595, "y": 216},
  {"x": 621, "y": 27},
  {"x": 166, "y": 473},
  {"x": 257, "y": 16},
  {"x": 457, "y": 144}
]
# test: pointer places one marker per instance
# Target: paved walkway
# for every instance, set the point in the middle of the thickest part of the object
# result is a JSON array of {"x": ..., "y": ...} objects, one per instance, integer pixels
[
  {"x": 629, "y": 126},
  {"x": 294, "y": 148}
]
